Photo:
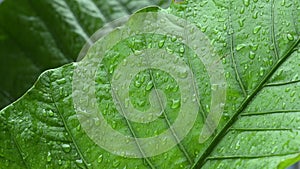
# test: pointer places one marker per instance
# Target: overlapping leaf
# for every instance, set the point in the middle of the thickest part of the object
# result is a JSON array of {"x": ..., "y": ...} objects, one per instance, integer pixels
[{"x": 39, "y": 35}]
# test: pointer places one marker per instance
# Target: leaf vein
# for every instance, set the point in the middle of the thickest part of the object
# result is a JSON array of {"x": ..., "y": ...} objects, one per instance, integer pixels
[
  {"x": 67, "y": 128},
  {"x": 232, "y": 54}
]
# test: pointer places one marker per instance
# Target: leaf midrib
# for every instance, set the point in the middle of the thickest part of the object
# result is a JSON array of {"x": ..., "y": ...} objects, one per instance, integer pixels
[{"x": 204, "y": 157}]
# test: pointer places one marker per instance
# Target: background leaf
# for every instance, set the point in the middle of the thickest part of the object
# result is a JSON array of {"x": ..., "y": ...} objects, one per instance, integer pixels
[
  {"x": 258, "y": 44},
  {"x": 39, "y": 35}
]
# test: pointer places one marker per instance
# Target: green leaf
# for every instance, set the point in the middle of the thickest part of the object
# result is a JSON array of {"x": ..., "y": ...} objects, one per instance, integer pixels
[
  {"x": 257, "y": 42},
  {"x": 38, "y": 35}
]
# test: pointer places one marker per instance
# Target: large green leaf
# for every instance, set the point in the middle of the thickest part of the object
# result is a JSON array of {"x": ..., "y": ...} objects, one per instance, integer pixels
[
  {"x": 256, "y": 41},
  {"x": 38, "y": 35}
]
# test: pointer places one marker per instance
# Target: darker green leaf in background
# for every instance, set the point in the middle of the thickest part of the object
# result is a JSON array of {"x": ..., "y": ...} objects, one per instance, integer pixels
[{"x": 36, "y": 35}]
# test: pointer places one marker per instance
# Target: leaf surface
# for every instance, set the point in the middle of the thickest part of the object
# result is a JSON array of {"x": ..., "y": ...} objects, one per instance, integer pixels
[{"x": 258, "y": 45}]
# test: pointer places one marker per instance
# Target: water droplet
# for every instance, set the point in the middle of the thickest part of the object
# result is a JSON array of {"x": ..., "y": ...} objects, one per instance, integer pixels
[
  {"x": 224, "y": 27},
  {"x": 124, "y": 62},
  {"x": 283, "y": 105},
  {"x": 227, "y": 75},
  {"x": 66, "y": 147},
  {"x": 175, "y": 103},
  {"x": 137, "y": 84},
  {"x": 261, "y": 71},
  {"x": 251, "y": 55},
  {"x": 173, "y": 38},
  {"x": 237, "y": 145},
  {"x": 181, "y": 49},
  {"x": 183, "y": 74},
  {"x": 114, "y": 124},
  {"x": 240, "y": 46},
  {"x": 78, "y": 128},
  {"x": 175, "y": 89},
  {"x": 161, "y": 43},
  {"x": 116, "y": 163},
  {"x": 241, "y": 22},
  {"x": 61, "y": 81},
  {"x": 203, "y": 28},
  {"x": 149, "y": 85},
  {"x": 287, "y": 89},
  {"x": 100, "y": 158},
  {"x": 242, "y": 10},
  {"x": 246, "y": 3},
  {"x": 169, "y": 50},
  {"x": 137, "y": 52},
  {"x": 59, "y": 162},
  {"x": 255, "y": 14},
  {"x": 80, "y": 164},
  {"x": 50, "y": 113},
  {"x": 292, "y": 93},
  {"x": 290, "y": 37},
  {"x": 254, "y": 47},
  {"x": 49, "y": 158},
  {"x": 256, "y": 29},
  {"x": 61, "y": 91}
]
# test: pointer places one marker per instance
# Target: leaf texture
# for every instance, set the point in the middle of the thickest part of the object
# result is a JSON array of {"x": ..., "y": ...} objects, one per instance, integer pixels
[{"x": 258, "y": 45}]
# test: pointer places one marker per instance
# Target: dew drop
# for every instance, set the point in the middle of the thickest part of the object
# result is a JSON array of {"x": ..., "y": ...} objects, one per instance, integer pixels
[
  {"x": 240, "y": 46},
  {"x": 80, "y": 164},
  {"x": 173, "y": 38},
  {"x": 256, "y": 29},
  {"x": 61, "y": 81},
  {"x": 78, "y": 128},
  {"x": 114, "y": 124},
  {"x": 61, "y": 91},
  {"x": 251, "y": 55},
  {"x": 175, "y": 103},
  {"x": 49, "y": 158},
  {"x": 224, "y": 60},
  {"x": 203, "y": 29},
  {"x": 246, "y": 66},
  {"x": 100, "y": 158},
  {"x": 241, "y": 22},
  {"x": 169, "y": 50},
  {"x": 149, "y": 85},
  {"x": 254, "y": 47},
  {"x": 183, "y": 74},
  {"x": 175, "y": 89},
  {"x": 292, "y": 93},
  {"x": 290, "y": 37},
  {"x": 181, "y": 49},
  {"x": 254, "y": 16},
  {"x": 50, "y": 113},
  {"x": 261, "y": 71},
  {"x": 237, "y": 145},
  {"x": 66, "y": 147},
  {"x": 137, "y": 84},
  {"x": 246, "y": 3},
  {"x": 242, "y": 10},
  {"x": 161, "y": 43},
  {"x": 116, "y": 163},
  {"x": 227, "y": 75}
]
